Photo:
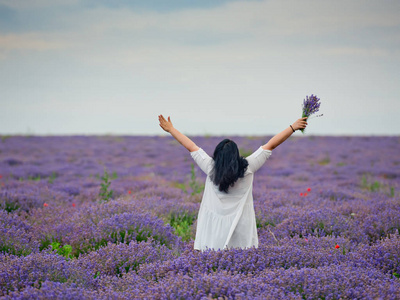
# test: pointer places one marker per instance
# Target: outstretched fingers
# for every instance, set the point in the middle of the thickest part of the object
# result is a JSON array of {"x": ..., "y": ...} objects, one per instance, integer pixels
[
  {"x": 164, "y": 124},
  {"x": 162, "y": 119}
]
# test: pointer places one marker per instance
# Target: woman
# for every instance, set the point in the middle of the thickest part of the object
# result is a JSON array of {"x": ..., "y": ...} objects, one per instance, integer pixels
[{"x": 226, "y": 217}]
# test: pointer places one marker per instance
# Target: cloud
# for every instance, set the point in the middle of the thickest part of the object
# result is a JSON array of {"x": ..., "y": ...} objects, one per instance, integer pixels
[
  {"x": 263, "y": 25},
  {"x": 217, "y": 60},
  {"x": 30, "y": 41},
  {"x": 136, "y": 5},
  {"x": 271, "y": 17},
  {"x": 157, "y": 5},
  {"x": 32, "y": 4},
  {"x": 357, "y": 51}
]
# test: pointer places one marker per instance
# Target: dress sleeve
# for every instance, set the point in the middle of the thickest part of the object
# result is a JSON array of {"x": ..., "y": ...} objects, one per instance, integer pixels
[
  {"x": 202, "y": 159},
  {"x": 258, "y": 158}
]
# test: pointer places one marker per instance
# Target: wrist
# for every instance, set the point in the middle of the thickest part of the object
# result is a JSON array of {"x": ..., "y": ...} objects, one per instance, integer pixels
[{"x": 292, "y": 128}]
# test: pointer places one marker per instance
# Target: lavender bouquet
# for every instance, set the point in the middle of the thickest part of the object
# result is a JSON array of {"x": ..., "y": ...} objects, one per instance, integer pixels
[{"x": 310, "y": 106}]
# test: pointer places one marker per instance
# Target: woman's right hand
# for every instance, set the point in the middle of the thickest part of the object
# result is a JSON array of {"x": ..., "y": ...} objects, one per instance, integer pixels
[
  {"x": 300, "y": 123},
  {"x": 180, "y": 137},
  {"x": 164, "y": 124}
]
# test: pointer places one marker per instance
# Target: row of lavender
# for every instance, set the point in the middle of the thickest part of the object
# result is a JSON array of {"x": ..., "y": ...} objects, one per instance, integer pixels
[{"x": 327, "y": 210}]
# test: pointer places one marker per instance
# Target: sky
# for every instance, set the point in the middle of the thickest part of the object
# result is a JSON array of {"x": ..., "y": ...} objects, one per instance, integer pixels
[{"x": 216, "y": 67}]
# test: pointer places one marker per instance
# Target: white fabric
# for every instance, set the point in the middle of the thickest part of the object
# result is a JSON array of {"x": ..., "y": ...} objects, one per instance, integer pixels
[{"x": 227, "y": 220}]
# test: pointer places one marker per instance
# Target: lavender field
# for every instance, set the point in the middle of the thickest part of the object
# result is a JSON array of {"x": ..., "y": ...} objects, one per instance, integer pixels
[{"x": 114, "y": 217}]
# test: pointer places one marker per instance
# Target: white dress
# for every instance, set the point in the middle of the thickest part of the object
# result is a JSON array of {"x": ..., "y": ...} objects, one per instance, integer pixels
[{"x": 227, "y": 220}]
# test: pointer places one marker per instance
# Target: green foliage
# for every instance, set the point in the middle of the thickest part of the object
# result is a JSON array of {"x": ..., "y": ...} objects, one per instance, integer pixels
[
  {"x": 374, "y": 186},
  {"x": 9, "y": 206},
  {"x": 245, "y": 153},
  {"x": 182, "y": 223},
  {"x": 105, "y": 194},
  {"x": 4, "y": 137},
  {"x": 324, "y": 161},
  {"x": 64, "y": 250},
  {"x": 46, "y": 242},
  {"x": 52, "y": 177},
  {"x": 30, "y": 177},
  {"x": 183, "y": 229},
  {"x": 392, "y": 193},
  {"x": 181, "y": 186},
  {"x": 264, "y": 223},
  {"x": 34, "y": 178},
  {"x": 10, "y": 248},
  {"x": 364, "y": 182},
  {"x": 193, "y": 184},
  {"x": 128, "y": 267}
]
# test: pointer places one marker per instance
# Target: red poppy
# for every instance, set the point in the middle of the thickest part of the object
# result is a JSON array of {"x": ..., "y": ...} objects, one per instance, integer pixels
[
  {"x": 306, "y": 240},
  {"x": 73, "y": 204},
  {"x": 301, "y": 194},
  {"x": 337, "y": 246},
  {"x": 1, "y": 176},
  {"x": 129, "y": 192},
  {"x": 45, "y": 204},
  {"x": 309, "y": 190},
  {"x": 305, "y": 194}
]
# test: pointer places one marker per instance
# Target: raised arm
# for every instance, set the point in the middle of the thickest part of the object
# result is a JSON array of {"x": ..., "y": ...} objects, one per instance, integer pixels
[
  {"x": 180, "y": 137},
  {"x": 282, "y": 136}
]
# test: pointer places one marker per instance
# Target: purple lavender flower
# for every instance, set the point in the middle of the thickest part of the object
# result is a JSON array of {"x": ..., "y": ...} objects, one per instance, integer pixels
[
  {"x": 353, "y": 202},
  {"x": 56, "y": 290},
  {"x": 310, "y": 106},
  {"x": 19, "y": 272},
  {"x": 16, "y": 235}
]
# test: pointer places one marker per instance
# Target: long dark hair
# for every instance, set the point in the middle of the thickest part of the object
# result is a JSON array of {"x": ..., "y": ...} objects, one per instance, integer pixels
[{"x": 229, "y": 166}]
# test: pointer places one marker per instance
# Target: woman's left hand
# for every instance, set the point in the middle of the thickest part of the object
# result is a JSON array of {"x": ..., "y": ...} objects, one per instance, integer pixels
[
  {"x": 300, "y": 123},
  {"x": 164, "y": 124}
]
